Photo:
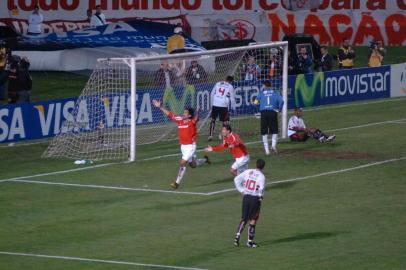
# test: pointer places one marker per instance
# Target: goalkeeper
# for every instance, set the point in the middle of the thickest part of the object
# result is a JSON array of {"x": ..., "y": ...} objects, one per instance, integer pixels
[{"x": 297, "y": 130}]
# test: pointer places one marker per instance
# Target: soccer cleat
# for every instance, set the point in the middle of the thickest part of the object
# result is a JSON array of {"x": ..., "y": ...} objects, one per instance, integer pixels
[
  {"x": 174, "y": 185},
  {"x": 274, "y": 150},
  {"x": 331, "y": 138},
  {"x": 252, "y": 244},
  {"x": 237, "y": 241},
  {"x": 210, "y": 138},
  {"x": 207, "y": 160}
]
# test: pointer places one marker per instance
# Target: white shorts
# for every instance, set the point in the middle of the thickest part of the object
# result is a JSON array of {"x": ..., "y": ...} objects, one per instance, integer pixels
[
  {"x": 188, "y": 151},
  {"x": 241, "y": 164}
]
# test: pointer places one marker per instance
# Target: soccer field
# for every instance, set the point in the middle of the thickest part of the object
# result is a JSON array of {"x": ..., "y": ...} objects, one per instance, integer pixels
[{"x": 326, "y": 206}]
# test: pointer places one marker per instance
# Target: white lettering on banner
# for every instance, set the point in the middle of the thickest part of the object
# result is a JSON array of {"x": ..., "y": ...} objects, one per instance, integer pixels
[
  {"x": 17, "y": 125},
  {"x": 203, "y": 100},
  {"x": 68, "y": 116},
  {"x": 3, "y": 125},
  {"x": 117, "y": 27},
  {"x": 121, "y": 111},
  {"x": 245, "y": 95},
  {"x": 83, "y": 115},
  {"x": 57, "y": 124},
  {"x": 145, "y": 109},
  {"x": 45, "y": 121},
  {"x": 357, "y": 84},
  {"x": 110, "y": 113}
]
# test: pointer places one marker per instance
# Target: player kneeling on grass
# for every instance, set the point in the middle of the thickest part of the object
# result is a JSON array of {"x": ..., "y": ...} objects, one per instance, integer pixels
[
  {"x": 187, "y": 139},
  {"x": 237, "y": 148},
  {"x": 251, "y": 184},
  {"x": 298, "y": 132}
]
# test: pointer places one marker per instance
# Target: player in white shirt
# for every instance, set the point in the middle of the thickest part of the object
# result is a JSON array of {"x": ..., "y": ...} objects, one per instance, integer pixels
[
  {"x": 297, "y": 130},
  {"x": 98, "y": 18},
  {"x": 35, "y": 22},
  {"x": 222, "y": 96},
  {"x": 251, "y": 184}
]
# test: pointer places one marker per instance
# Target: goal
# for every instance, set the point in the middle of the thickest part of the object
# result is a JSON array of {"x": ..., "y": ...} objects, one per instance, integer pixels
[{"x": 114, "y": 114}]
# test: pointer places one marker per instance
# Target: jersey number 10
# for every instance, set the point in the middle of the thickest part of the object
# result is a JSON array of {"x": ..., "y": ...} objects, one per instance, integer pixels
[{"x": 250, "y": 184}]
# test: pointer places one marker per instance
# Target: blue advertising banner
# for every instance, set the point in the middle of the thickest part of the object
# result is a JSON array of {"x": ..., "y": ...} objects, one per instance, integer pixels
[
  {"x": 339, "y": 86},
  {"x": 137, "y": 33},
  {"x": 45, "y": 119}
]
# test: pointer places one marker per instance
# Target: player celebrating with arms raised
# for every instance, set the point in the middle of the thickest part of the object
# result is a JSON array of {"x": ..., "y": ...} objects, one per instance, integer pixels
[
  {"x": 251, "y": 184},
  {"x": 187, "y": 139},
  {"x": 222, "y": 95},
  {"x": 237, "y": 148}
]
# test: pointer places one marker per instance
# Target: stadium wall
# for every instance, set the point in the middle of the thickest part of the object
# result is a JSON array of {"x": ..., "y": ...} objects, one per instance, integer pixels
[
  {"x": 44, "y": 119},
  {"x": 262, "y": 20}
]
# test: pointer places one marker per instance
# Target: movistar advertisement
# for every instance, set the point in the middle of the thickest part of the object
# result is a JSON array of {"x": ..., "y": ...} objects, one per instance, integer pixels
[
  {"x": 398, "y": 80},
  {"x": 339, "y": 86}
]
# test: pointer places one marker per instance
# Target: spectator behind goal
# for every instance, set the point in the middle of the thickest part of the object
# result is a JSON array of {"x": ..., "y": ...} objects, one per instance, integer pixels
[
  {"x": 98, "y": 19},
  {"x": 195, "y": 73}
]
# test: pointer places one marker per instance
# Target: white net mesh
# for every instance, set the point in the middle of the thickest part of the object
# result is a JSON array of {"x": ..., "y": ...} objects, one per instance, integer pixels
[{"x": 100, "y": 124}]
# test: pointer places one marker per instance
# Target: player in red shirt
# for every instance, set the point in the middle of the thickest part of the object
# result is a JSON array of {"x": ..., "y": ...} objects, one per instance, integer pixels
[
  {"x": 187, "y": 139},
  {"x": 237, "y": 148}
]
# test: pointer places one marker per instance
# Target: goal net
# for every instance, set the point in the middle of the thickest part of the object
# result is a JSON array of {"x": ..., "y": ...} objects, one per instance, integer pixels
[{"x": 103, "y": 124}]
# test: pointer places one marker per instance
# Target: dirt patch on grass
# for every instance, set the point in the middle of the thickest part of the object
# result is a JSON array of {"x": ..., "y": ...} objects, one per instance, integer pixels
[{"x": 344, "y": 155}]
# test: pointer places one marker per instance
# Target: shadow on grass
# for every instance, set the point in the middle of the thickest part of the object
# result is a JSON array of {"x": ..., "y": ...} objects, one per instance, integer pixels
[
  {"x": 167, "y": 206},
  {"x": 220, "y": 181},
  {"x": 302, "y": 236},
  {"x": 282, "y": 185}
]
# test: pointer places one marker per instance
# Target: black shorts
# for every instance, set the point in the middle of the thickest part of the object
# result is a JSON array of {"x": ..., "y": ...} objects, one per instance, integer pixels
[
  {"x": 221, "y": 113},
  {"x": 251, "y": 206},
  {"x": 269, "y": 122}
]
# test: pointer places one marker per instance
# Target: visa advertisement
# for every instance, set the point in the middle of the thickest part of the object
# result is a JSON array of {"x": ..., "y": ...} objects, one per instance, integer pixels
[{"x": 46, "y": 119}]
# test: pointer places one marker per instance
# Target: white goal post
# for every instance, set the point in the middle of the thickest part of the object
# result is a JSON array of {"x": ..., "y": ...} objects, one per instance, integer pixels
[{"x": 114, "y": 115}]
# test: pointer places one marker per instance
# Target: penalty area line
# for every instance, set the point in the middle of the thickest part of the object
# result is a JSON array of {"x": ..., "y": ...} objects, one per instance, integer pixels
[
  {"x": 98, "y": 261},
  {"x": 106, "y": 187},
  {"x": 301, "y": 178},
  {"x": 319, "y": 174}
]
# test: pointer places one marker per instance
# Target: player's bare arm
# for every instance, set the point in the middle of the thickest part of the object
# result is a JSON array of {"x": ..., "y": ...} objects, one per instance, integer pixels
[{"x": 157, "y": 103}]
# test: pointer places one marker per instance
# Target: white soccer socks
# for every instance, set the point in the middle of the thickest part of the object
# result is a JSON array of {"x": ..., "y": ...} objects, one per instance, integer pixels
[
  {"x": 274, "y": 142},
  {"x": 181, "y": 173},
  {"x": 266, "y": 144}
]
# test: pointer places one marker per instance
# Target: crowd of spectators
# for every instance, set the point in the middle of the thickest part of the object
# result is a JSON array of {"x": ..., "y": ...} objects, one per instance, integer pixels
[{"x": 305, "y": 63}]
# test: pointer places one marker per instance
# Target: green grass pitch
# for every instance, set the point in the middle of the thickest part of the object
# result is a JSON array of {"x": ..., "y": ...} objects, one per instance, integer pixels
[{"x": 346, "y": 209}]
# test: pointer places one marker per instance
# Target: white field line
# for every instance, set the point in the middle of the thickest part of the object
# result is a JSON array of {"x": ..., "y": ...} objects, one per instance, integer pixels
[
  {"x": 366, "y": 125},
  {"x": 98, "y": 261},
  {"x": 106, "y": 187},
  {"x": 324, "y": 107},
  {"x": 318, "y": 175},
  {"x": 171, "y": 155},
  {"x": 62, "y": 172},
  {"x": 214, "y": 192}
]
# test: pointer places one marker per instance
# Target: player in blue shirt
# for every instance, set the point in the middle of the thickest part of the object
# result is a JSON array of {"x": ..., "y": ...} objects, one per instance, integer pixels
[{"x": 270, "y": 103}]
